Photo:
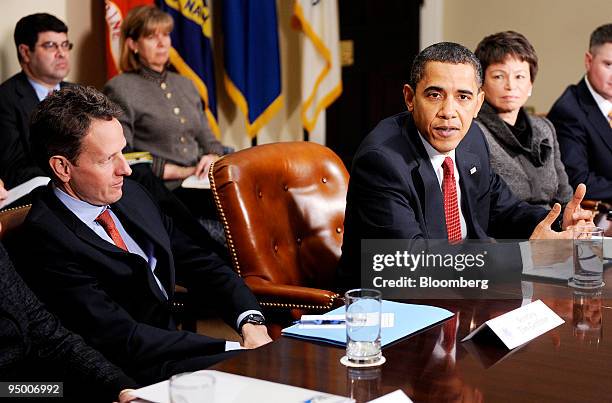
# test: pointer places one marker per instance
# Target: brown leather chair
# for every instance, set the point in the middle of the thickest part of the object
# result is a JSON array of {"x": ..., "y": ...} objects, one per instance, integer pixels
[
  {"x": 282, "y": 208},
  {"x": 11, "y": 219}
]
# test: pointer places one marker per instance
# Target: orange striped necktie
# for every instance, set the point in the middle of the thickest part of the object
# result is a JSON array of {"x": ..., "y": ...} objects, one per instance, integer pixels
[
  {"x": 610, "y": 117},
  {"x": 107, "y": 222}
]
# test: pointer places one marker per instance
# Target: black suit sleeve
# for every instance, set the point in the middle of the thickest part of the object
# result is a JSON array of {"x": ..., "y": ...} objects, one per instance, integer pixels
[
  {"x": 50, "y": 341},
  {"x": 16, "y": 166},
  {"x": 209, "y": 278},
  {"x": 74, "y": 291},
  {"x": 380, "y": 206}
]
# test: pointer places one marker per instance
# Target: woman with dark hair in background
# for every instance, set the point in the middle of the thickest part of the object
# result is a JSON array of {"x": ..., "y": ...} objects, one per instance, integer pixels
[{"x": 524, "y": 148}]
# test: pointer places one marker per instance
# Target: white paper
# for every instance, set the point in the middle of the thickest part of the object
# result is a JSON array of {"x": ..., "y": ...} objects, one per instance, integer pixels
[
  {"x": 394, "y": 397},
  {"x": 230, "y": 388},
  {"x": 521, "y": 325},
  {"x": 193, "y": 182},
  {"x": 26, "y": 187},
  {"x": 607, "y": 247}
]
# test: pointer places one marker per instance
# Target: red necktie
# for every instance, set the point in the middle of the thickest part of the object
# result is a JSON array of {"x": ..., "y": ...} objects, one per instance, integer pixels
[
  {"x": 106, "y": 221},
  {"x": 451, "y": 207}
]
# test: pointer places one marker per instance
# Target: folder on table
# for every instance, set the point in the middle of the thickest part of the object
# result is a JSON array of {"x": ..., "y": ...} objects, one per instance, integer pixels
[{"x": 408, "y": 319}]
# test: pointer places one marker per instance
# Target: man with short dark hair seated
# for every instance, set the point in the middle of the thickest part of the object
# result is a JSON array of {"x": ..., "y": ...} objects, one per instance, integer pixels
[
  {"x": 582, "y": 117},
  {"x": 107, "y": 260}
]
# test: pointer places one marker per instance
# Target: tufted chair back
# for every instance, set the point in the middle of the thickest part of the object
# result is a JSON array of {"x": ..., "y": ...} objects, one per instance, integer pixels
[{"x": 282, "y": 208}]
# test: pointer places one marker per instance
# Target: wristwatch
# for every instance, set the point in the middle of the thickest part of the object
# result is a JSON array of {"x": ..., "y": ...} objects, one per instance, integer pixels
[{"x": 253, "y": 318}]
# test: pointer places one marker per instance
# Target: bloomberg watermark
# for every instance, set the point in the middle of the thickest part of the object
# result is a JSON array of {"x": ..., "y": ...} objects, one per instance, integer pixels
[{"x": 417, "y": 269}]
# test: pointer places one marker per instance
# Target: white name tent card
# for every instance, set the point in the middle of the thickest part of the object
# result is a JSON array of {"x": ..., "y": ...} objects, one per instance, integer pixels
[
  {"x": 521, "y": 325},
  {"x": 394, "y": 397}
]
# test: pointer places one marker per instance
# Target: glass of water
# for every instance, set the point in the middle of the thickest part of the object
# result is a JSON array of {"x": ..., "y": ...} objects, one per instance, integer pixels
[
  {"x": 363, "y": 312},
  {"x": 588, "y": 257},
  {"x": 194, "y": 387}
]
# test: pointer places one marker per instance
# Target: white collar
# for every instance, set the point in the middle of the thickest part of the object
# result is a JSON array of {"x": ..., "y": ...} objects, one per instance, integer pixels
[
  {"x": 435, "y": 156},
  {"x": 604, "y": 105}
]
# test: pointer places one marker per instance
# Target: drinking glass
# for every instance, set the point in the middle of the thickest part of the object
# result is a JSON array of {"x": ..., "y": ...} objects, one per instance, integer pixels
[
  {"x": 363, "y": 311},
  {"x": 195, "y": 387},
  {"x": 588, "y": 257}
]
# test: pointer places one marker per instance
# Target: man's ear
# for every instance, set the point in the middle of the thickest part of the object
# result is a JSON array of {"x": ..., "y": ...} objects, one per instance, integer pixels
[
  {"x": 24, "y": 52},
  {"x": 61, "y": 167},
  {"x": 480, "y": 97},
  {"x": 588, "y": 59},
  {"x": 409, "y": 97}
]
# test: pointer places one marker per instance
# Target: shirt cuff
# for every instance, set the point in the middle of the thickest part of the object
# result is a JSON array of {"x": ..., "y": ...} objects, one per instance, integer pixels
[{"x": 244, "y": 314}]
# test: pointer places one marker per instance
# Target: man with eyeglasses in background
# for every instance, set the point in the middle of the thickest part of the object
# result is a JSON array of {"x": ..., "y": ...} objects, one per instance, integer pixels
[{"x": 43, "y": 50}]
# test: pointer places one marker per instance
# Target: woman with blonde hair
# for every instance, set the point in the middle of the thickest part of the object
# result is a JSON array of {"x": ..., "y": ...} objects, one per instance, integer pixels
[{"x": 163, "y": 110}]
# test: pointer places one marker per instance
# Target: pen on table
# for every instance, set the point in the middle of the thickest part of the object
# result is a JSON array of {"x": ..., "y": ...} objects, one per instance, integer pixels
[{"x": 320, "y": 322}]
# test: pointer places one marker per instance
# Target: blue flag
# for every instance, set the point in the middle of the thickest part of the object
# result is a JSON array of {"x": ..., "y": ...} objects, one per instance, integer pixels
[
  {"x": 191, "y": 52},
  {"x": 252, "y": 62}
]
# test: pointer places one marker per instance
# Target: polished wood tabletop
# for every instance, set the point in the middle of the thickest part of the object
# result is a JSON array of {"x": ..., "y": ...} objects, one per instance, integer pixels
[{"x": 571, "y": 363}]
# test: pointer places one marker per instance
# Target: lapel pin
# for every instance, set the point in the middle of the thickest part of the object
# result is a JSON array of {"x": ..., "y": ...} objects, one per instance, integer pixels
[{"x": 473, "y": 170}]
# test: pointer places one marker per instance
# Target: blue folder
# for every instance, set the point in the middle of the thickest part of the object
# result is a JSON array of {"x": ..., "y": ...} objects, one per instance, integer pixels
[{"x": 409, "y": 319}]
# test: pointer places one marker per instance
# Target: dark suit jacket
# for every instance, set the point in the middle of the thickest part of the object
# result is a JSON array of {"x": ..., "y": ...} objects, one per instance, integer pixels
[
  {"x": 110, "y": 297},
  {"x": 394, "y": 193},
  {"x": 17, "y": 102},
  {"x": 35, "y": 346},
  {"x": 585, "y": 141}
]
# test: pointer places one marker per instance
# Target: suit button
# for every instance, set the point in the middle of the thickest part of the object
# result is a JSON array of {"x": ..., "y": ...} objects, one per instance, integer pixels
[
  {"x": 176, "y": 110},
  {"x": 182, "y": 139},
  {"x": 163, "y": 86},
  {"x": 169, "y": 95},
  {"x": 182, "y": 120}
]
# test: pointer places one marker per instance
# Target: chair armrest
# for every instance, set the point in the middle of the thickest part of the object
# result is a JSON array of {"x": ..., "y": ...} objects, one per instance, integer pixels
[{"x": 292, "y": 296}]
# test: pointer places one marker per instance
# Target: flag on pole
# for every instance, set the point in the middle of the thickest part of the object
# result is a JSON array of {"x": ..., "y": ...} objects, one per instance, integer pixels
[
  {"x": 321, "y": 70},
  {"x": 252, "y": 62},
  {"x": 191, "y": 53},
  {"x": 115, "y": 11}
]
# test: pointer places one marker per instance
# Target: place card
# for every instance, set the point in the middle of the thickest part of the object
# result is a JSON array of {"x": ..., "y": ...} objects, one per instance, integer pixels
[
  {"x": 394, "y": 397},
  {"x": 521, "y": 325}
]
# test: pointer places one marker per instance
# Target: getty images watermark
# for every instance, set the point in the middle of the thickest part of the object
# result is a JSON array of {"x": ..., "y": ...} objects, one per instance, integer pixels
[{"x": 435, "y": 269}]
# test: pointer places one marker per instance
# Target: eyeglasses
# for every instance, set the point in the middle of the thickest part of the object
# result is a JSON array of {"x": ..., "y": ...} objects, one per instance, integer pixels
[{"x": 54, "y": 46}]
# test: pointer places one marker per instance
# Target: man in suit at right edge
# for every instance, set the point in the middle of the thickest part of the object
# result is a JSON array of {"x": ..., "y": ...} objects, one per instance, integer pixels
[
  {"x": 583, "y": 119},
  {"x": 425, "y": 173}
]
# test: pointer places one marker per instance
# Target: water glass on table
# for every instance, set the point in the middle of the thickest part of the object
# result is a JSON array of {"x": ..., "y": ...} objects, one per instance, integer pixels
[
  {"x": 363, "y": 312},
  {"x": 195, "y": 387},
  {"x": 588, "y": 257}
]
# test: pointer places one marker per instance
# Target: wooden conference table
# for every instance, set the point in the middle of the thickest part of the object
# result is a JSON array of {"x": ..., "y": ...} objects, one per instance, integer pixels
[{"x": 571, "y": 363}]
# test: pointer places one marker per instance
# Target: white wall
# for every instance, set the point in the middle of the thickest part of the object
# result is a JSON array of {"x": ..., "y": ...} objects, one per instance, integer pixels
[
  {"x": 558, "y": 29},
  {"x": 12, "y": 11}
]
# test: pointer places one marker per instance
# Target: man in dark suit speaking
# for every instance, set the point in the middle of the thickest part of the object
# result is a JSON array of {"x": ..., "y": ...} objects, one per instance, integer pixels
[
  {"x": 426, "y": 174},
  {"x": 106, "y": 259},
  {"x": 583, "y": 119}
]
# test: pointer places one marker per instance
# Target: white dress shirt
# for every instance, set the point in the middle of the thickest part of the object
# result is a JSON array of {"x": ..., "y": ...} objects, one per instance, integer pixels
[
  {"x": 437, "y": 158},
  {"x": 604, "y": 105}
]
